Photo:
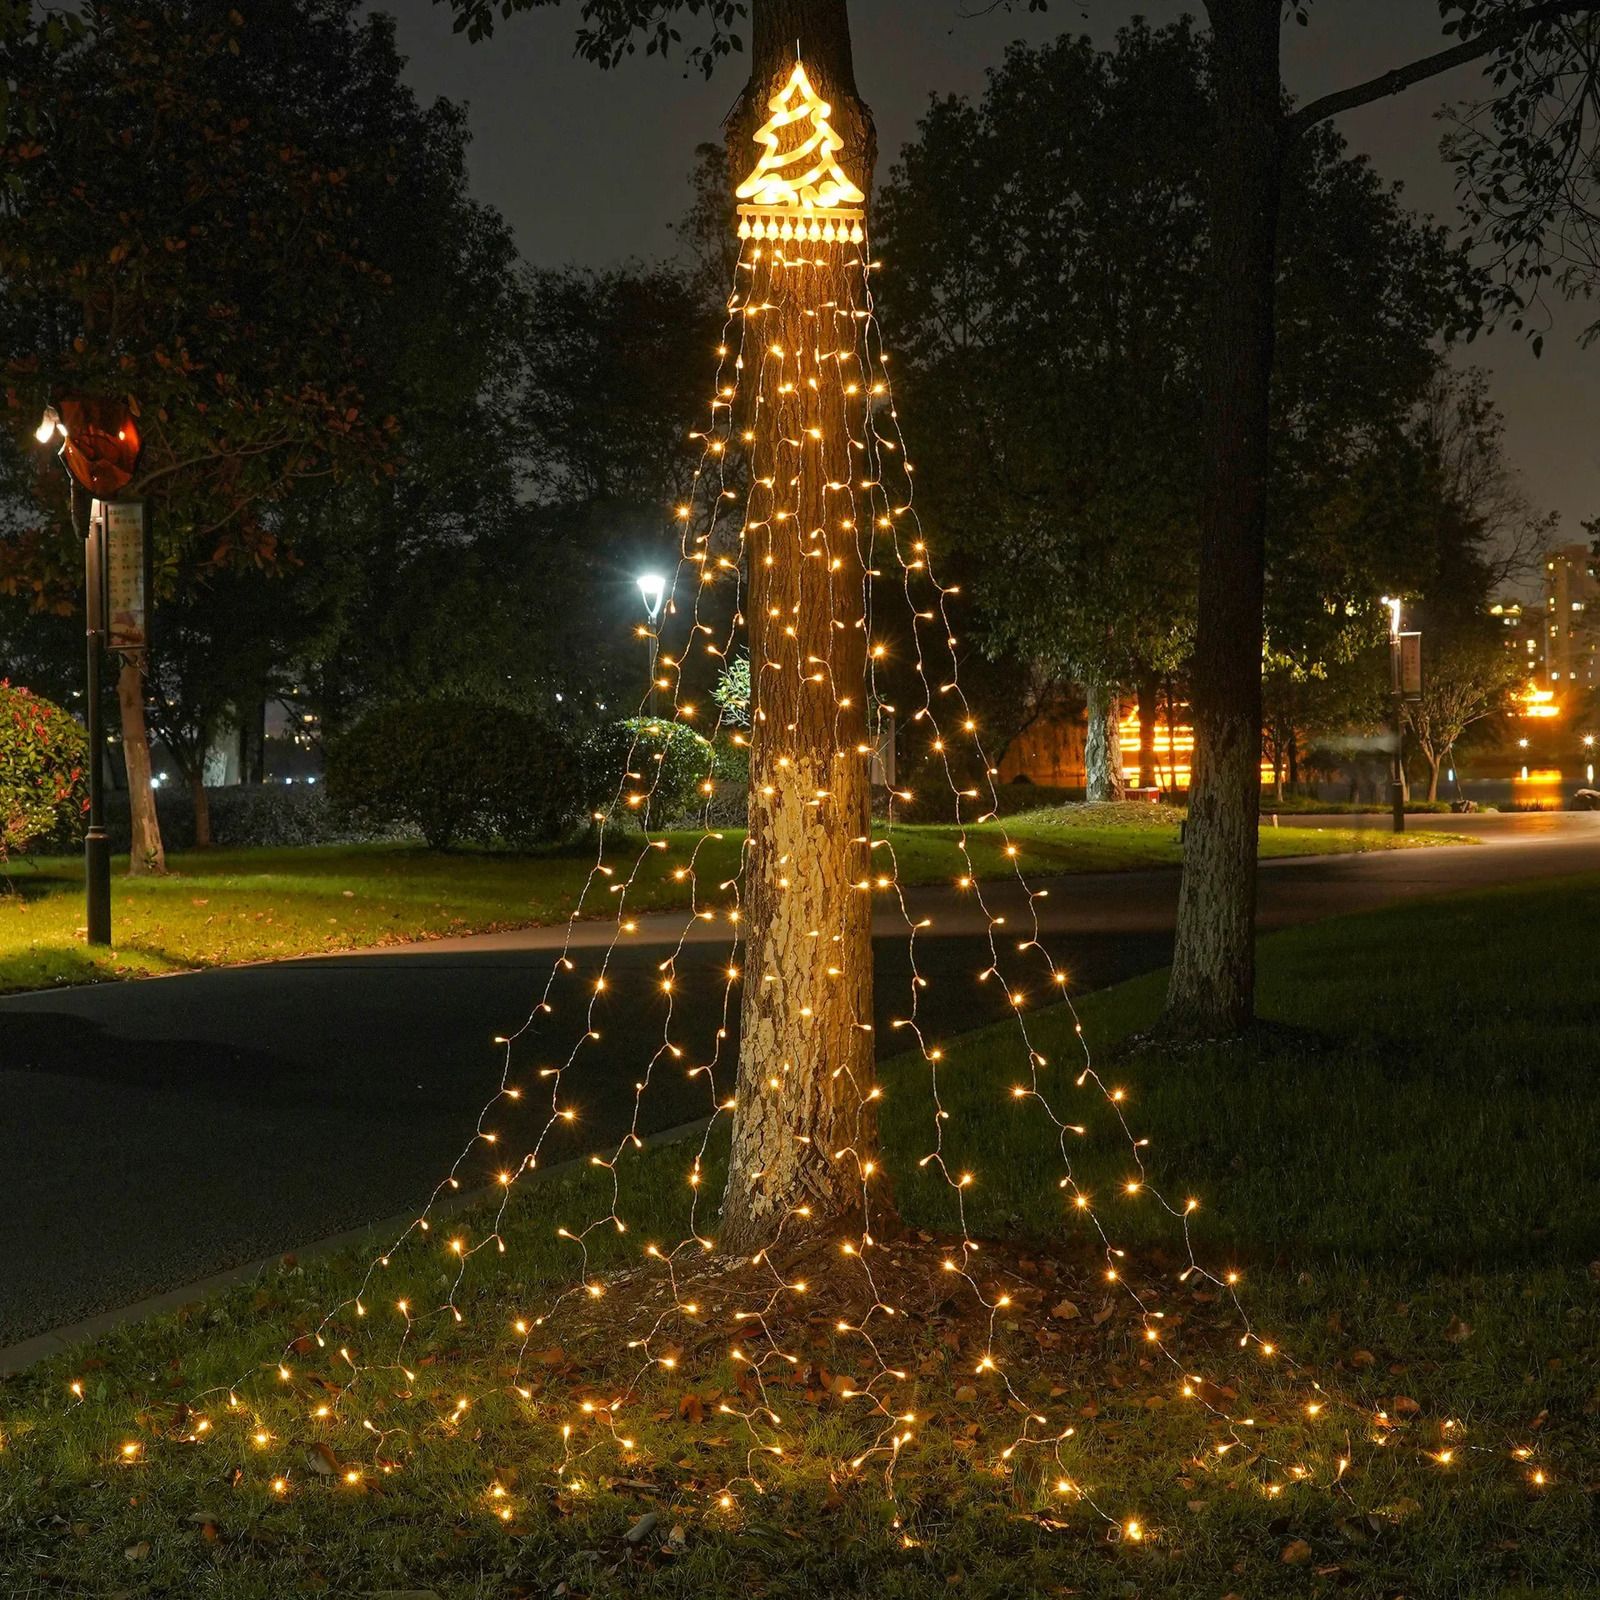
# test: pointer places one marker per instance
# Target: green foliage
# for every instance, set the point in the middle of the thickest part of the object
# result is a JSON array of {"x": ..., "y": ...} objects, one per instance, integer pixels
[
  {"x": 732, "y": 692},
  {"x": 617, "y": 361},
  {"x": 1047, "y": 255},
  {"x": 44, "y": 776},
  {"x": 613, "y": 29},
  {"x": 667, "y": 763},
  {"x": 242, "y": 218},
  {"x": 226, "y": 285},
  {"x": 1525, "y": 153},
  {"x": 454, "y": 770}
]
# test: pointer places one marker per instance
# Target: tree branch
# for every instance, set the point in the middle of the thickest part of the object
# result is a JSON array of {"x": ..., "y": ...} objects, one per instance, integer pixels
[{"x": 1401, "y": 78}]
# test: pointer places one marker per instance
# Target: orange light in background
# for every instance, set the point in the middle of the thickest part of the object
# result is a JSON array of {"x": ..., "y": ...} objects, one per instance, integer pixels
[
  {"x": 1537, "y": 702},
  {"x": 1174, "y": 750}
]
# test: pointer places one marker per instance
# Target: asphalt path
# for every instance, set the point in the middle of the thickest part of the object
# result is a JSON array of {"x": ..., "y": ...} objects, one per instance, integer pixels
[{"x": 158, "y": 1131}]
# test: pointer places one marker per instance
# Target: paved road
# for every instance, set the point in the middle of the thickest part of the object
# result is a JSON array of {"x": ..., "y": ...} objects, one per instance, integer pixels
[{"x": 157, "y": 1131}]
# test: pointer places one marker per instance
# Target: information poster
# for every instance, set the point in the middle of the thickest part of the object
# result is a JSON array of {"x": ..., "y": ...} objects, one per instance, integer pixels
[
  {"x": 127, "y": 577},
  {"x": 1411, "y": 665}
]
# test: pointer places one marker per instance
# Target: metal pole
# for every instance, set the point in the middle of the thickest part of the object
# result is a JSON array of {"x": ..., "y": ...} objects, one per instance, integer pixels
[
  {"x": 1397, "y": 785},
  {"x": 655, "y": 650},
  {"x": 96, "y": 842},
  {"x": 1397, "y": 776}
]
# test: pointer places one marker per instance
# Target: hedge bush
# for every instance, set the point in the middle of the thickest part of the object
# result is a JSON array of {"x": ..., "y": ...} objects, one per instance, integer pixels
[
  {"x": 265, "y": 815},
  {"x": 44, "y": 773},
  {"x": 455, "y": 769},
  {"x": 666, "y": 762}
]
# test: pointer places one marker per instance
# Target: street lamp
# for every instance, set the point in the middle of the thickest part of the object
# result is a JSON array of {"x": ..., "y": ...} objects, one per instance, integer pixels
[
  {"x": 1397, "y": 776},
  {"x": 100, "y": 450},
  {"x": 653, "y": 591}
]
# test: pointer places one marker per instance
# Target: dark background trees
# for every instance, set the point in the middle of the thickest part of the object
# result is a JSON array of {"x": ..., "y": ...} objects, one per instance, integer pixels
[
  {"x": 250, "y": 228},
  {"x": 1045, "y": 257}
]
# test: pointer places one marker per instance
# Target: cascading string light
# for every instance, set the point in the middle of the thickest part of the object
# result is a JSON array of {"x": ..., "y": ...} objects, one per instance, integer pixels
[{"x": 843, "y": 363}]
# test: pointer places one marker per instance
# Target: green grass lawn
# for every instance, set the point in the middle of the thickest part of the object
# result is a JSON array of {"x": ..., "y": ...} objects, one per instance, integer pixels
[
  {"x": 222, "y": 906},
  {"x": 1402, "y": 1164}
]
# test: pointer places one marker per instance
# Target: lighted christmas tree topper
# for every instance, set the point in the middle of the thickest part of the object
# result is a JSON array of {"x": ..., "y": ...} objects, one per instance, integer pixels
[{"x": 801, "y": 192}]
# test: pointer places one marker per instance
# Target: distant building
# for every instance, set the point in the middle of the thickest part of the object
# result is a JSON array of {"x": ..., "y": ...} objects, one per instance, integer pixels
[
  {"x": 1572, "y": 617},
  {"x": 1521, "y": 635},
  {"x": 1558, "y": 643}
]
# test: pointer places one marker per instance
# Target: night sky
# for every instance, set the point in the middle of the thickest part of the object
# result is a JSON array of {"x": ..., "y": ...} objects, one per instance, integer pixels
[{"x": 591, "y": 166}]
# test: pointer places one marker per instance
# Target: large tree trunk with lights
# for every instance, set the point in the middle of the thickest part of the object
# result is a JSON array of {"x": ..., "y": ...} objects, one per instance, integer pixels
[
  {"x": 1102, "y": 745},
  {"x": 804, "y": 1120},
  {"x": 145, "y": 853},
  {"x": 1211, "y": 991}
]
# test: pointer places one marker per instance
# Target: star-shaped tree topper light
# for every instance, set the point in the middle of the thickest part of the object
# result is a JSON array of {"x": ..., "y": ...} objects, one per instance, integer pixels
[{"x": 798, "y": 190}]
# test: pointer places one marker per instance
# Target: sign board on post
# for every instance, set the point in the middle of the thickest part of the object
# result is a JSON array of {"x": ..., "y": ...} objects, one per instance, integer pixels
[
  {"x": 124, "y": 531},
  {"x": 1410, "y": 686}
]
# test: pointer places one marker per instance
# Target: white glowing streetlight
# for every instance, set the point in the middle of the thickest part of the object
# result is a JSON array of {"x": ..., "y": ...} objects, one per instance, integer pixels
[{"x": 653, "y": 591}]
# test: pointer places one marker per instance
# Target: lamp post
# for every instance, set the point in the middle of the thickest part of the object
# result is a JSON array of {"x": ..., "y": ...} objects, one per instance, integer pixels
[
  {"x": 1405, "y": 682},
  {"x": 99, "y": 449},
  {"x": 653, "y": 591},
  {"x": 1397, "y": 774}
]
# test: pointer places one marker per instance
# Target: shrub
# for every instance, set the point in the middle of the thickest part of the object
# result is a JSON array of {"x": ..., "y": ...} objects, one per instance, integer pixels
[
  {"x": 732, "y": 693},
  {"x": 455, "y": 769},
  {"x": 665, "y": 762},
  {"x": 44, "y": 772},
  {"x": 246, "y": 815}
]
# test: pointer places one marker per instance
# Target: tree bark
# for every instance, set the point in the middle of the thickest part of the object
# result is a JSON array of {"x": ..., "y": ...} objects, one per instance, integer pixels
[
  {"x": 1102, "y": 745},
  {"x": 1211, "y": 991},
  {"x": 1149, "y": 693},
  {"x": 804, "y": 1120},
  {"x": 146, "y": 853}
]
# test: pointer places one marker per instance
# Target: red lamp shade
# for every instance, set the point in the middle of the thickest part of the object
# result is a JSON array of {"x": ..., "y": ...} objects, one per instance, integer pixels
[{"x": 101, "y": 445}]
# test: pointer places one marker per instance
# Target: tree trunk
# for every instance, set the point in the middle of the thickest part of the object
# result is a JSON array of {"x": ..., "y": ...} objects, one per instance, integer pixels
[
  {"x": 803, "y": 1120},
  {"x": 1102, "y": 745},
  {"x": 146, "y": 853},
  {"x": 1212, "y": 989},
  {"x": 1434, "y": 763},
  {"x": 1149, "y": 711},
  {"x": 1277, "y": 771},
  {"x": 202, "y": 807},
  {"x": 1294, "y": 763}
]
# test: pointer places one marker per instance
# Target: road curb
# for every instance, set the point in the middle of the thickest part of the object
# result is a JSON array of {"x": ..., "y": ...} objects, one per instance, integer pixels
[{"x": 25, "y": 1353}]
